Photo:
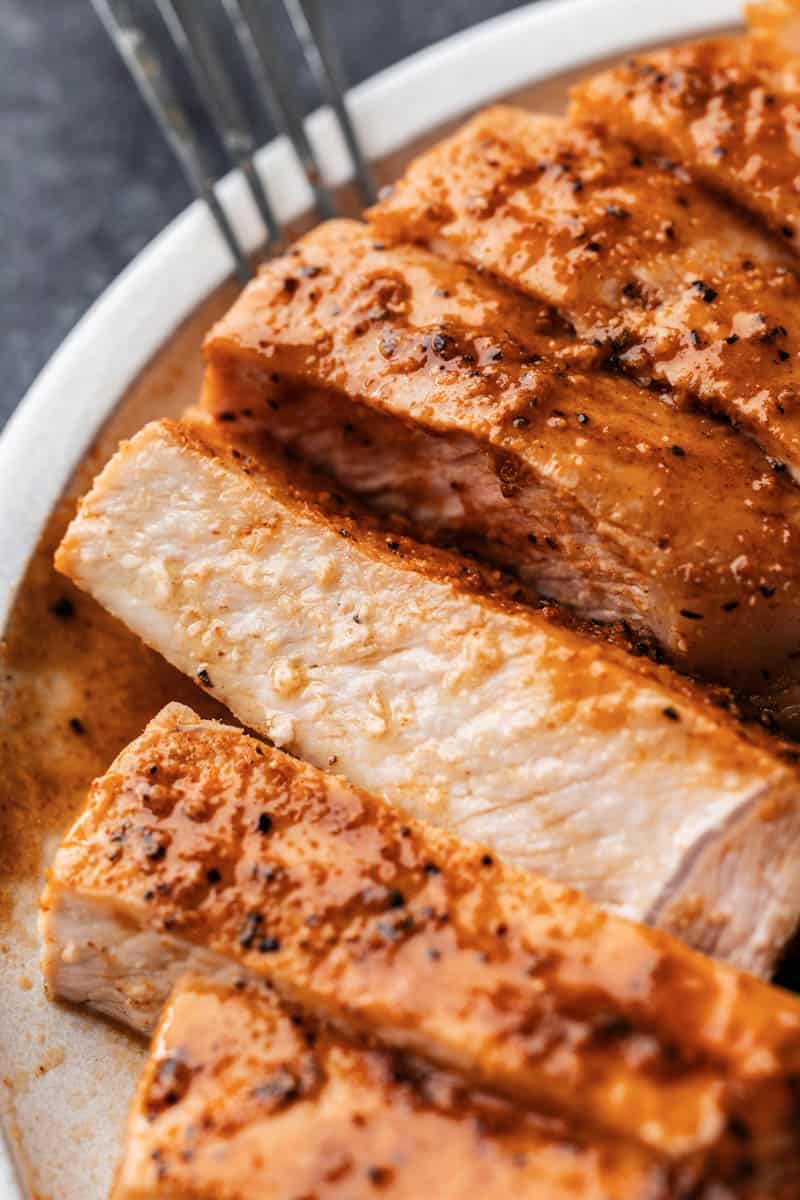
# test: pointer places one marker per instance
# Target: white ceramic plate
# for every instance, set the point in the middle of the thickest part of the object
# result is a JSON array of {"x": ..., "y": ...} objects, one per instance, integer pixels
[{"x": 78, "y": 389}]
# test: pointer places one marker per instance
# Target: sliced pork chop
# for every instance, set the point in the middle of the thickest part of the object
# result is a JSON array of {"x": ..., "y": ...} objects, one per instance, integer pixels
[
  {"x": 429, "y": 391},
  {"x": 359, "y": 648},
  {"x": 200, "y": 842},
  {"x": 718, "y": 107},
  {"x": 237, "y": 1099},
  {"x": 682, "y": 291},
  {"x": 774, "y": 26}
]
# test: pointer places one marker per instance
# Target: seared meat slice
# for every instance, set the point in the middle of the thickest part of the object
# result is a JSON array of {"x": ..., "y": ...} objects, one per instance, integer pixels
[
  {"x": 678, "y": 288},
  {"x": 269, "y": 1108},
  {"x": 717, "y": 108},
  {"x": 202, "y": 842},
  {"x": 774, "y": 25},
  {"x": 357, "y": 647},
  {"x": 431, "y": 392}
]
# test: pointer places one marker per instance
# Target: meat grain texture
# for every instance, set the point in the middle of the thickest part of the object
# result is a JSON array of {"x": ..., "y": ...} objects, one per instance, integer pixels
[
  {"x": 433, "y": 393},
  {"x": 421, "y": 678}
]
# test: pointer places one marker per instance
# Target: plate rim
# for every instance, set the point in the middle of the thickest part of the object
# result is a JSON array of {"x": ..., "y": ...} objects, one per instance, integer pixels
[{"x": 66, "y": 405}]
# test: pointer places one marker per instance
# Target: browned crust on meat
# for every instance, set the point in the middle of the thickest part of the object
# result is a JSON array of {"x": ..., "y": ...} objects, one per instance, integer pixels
[
  {"x": 537, "y": 202},
  {"x": 718, "y": 108},
  {"x": 666, "y": 499},
  {"x": 387, "y": 926},
  {"x": 240, "y": 1094}
]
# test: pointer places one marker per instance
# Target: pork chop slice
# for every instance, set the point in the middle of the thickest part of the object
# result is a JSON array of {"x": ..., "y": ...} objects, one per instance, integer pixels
[
  {"x": 202, "y": 843},
  {"x": 243, "y": 1098},
  {"x": 429, "y": 391},
  {"x": 721, "y": 109},
  {"x": 774, "y": 29},
  {"x": 681, "y": 290},
  {"x": 358, "y": 648}
]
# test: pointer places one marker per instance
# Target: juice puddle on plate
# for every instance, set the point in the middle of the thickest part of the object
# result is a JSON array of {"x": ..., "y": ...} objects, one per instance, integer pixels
[{"x": 75, "y": 687}]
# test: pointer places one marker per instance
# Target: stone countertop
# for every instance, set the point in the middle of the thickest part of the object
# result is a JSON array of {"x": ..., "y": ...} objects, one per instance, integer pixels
[{"x": 87, "y": 180}]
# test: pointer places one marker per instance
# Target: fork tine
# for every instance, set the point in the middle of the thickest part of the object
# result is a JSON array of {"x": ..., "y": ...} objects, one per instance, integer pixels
[
  {"x": 319, "y": 48},
  {"x": 153, "y": 83},
  {"x": 264, "y": 60},
  {"x": 187, "y": 21}
]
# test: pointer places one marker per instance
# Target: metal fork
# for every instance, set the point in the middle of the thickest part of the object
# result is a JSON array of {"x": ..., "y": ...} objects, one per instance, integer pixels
[{"x": 189, "y": 24}]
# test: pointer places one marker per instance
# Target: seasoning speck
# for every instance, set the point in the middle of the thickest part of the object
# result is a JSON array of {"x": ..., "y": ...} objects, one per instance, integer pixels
[
  {"x": 204, "y": 677},
  {"x": 707, "y": 293},
  {"x": 63, "y": 608},
  {"x": 264, "y": 823},
  {"x": 671, "y": 713},
  {"x": 251, "y": 926},
  {"x": 77, "y": 725}
]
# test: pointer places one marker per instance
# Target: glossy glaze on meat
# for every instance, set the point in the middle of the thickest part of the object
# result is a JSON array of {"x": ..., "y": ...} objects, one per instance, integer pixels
[
  {"x": 679, "y": 289},
  {"x": 423, "y": 679},
  {"x": 202, "y": 846},
  {"x": 241, "y": 1097},
  {"x": 429, "y": 391},
  {"x": 718, "y": 109},
  {"x": 774, "y": 27}
]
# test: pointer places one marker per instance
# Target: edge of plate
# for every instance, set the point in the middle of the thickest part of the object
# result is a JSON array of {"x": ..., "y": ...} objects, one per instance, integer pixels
[{"x": 78, "y": 388}]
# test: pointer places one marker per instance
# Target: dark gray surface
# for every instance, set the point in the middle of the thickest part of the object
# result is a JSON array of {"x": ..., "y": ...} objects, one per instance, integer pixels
[{"x": 86, "y": 179}]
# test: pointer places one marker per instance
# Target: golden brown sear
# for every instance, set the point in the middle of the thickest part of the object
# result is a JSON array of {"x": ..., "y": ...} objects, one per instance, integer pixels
[
  {"x": 204, "y": 849},
  {"x": 718, "y": 108},
  {"x": 245, "y": 1099},
  {"x": 431, "y": 392},
  {"x": 682, "y": 293}
]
